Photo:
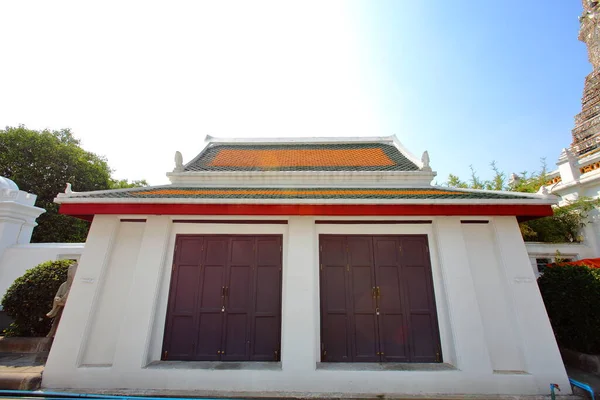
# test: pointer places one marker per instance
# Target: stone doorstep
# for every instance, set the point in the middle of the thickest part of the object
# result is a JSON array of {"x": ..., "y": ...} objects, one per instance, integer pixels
[
  {"x": 25, "y": 344},
  {"x": 20, "y": 371},
  {"x": 20, "y": 380},
  {"x": 299, "y": 396}
]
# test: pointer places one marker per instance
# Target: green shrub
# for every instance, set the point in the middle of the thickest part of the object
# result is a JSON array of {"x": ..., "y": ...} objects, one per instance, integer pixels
[
  {"x": 30, "y": 297},
  {"x": 572, "y": 298}
]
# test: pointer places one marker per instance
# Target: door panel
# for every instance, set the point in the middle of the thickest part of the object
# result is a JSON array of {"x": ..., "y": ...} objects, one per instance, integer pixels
[
  {"x": 179, "y": 337},
  {"x": 224, "y": 299},
  {"x": 418, "y": 284},
  {"x": 210, "y": 304},
  {"x": 395, "y": 323},
  {"x": 392, "y": 315},
  {"x": 335, "y": 333},
  {"x": 208, "y": 336},
  {"x": 265, "y": 323},
  {"x": 363, "y": 319},
  {"x": 237, "y": 304}
]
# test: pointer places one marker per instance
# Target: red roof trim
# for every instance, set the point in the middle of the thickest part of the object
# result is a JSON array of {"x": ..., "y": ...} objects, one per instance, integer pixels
[{"x": 88, "y": 210}]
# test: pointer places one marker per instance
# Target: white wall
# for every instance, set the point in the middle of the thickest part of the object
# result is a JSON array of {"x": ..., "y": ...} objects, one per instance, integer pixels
[
  {"x": 575, "y": 251},
  {"x": 126, "y": 268},
  {"x": 107, "y": 316},
  {"x": 17, "y": 259},
  {"x": 497, "y": 313}
]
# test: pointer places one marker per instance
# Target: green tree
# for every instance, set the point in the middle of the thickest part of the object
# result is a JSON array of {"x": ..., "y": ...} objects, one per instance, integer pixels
[
  {"x": 125, "y": 184},
  {"x": 42, "y": 162},
  {"x": 566, "y": 223}
]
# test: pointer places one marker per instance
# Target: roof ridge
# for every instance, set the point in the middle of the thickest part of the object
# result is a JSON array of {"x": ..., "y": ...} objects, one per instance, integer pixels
[{"x": 300, "y": 140}]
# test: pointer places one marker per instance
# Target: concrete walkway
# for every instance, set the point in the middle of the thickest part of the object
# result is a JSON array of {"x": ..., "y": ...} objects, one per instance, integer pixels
[{"x": 20, "y": 371}]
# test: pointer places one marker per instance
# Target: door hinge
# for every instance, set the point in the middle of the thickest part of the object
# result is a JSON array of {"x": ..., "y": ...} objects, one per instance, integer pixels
[
  {"x": 175, "y": 247},
  {"x": 173, "y": 269},
  {"x": 374, "y": 292},
  {"x": 165, "y": 354},
  {"x": 276, "y": 355},
  {"x": 427, "y": 248},
  {"x": 400, "y": 248},
  {"x": 378, "y": 291},
  {"x": 348, "y": 267},
  {"x": 321, "y": 248},
  {"x": 321, "y": 267},
  {"x": 280, "y": 248},
  {"x": 437, "y": 357}
]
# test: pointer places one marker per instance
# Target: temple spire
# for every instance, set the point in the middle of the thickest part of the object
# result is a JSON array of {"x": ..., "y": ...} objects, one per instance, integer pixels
[{"x": 586, "y": 134}]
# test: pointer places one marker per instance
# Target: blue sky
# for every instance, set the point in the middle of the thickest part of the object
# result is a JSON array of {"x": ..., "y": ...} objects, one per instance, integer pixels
[
  {"x": 476, "y": 81},
  {"x": 469, "y": 81}
]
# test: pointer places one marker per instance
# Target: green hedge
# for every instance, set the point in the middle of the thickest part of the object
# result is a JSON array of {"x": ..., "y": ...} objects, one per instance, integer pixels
[
  {"x": 30, "y": 297},
  {"x": 572, "y": 298}
]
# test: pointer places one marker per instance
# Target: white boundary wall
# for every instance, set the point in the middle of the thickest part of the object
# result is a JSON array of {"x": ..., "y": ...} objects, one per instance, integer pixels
[
  {"x": 493, "y": 325},
  {"x": 17, "y": 259}
]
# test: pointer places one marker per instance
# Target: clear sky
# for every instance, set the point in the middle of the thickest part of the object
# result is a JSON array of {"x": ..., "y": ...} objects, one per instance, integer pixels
[{"x": 470, "y": 81}]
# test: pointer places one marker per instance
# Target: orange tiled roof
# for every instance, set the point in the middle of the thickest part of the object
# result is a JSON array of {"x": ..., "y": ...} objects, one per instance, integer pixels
[
  {"x": 302, "y": 156},
  {"x": 276, "y": 158}
]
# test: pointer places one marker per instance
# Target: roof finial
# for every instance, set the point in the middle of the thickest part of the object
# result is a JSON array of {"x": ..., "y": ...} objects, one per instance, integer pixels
[
  {"x": 425, "y": 161},
  {"x": 68, "y": 189},
  {"x": 178, "y": 162}
]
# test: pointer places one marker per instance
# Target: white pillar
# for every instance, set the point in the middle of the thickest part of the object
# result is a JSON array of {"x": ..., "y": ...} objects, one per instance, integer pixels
[
  {"x": 17, "y": 217},
  {"x": 467, "y": 327},
  {"x": 542, "y": 357},
  {"x": 77, "y": 316},
  {"x": 136, "y": 330},
  {"x": 300, "y": 303}
]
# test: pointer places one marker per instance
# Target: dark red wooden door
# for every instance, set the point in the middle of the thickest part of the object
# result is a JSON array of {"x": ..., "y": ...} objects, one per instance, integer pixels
[
  {"x": 420, "y": 300},
  {"x": 209, "y": 328},
  {"x": 265, "y": 322},
  {"x": 393, "y": 325},
  {"x": 336, "y": 330},
  {"x": 237, "y": 298},
  {"x": 225, "y": 299},
  {"x": 182, "y": 314},
  {"x": 381, "y": 307},
  {"x": 363, "y": 318}
]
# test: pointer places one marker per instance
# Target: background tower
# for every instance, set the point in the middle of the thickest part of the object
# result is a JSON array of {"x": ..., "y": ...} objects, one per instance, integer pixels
[{"x": 586, "y": 134}]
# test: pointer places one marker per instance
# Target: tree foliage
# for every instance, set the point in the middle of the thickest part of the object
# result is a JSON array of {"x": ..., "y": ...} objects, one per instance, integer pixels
[
  {"x": 571, "y": 295},
  {"x": 30, "y": 297},
  {"x": 42, "y": 162},
  {"x": 564, "y": 226}
]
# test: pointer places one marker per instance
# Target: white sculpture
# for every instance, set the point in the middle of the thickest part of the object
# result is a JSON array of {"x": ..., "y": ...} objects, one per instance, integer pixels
[
  {"x": 178, "y": 162},
  {"x": 68, "y": 189},
  {"x": 60, "y": 299},
  {"x": 425, "y": 161},
  {"x": 543, "y": 191}
]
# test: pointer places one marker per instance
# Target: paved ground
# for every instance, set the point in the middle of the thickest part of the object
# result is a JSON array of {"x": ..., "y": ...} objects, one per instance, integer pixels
[{"x": 20, "y": 371}]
